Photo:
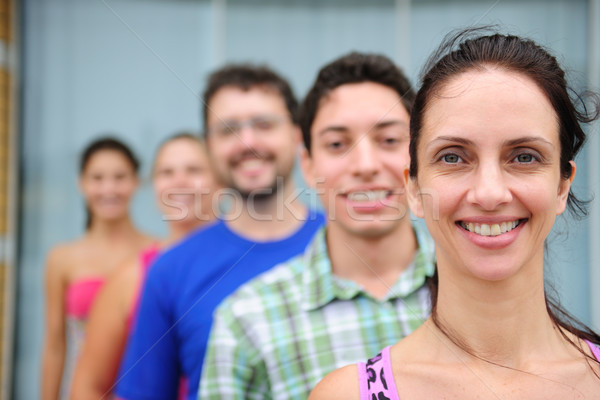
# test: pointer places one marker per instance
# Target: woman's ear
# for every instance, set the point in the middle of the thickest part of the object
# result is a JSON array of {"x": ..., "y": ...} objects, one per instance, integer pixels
[
  {"x": 563, "y": 189},
  {"x": 413, "y": 195}
]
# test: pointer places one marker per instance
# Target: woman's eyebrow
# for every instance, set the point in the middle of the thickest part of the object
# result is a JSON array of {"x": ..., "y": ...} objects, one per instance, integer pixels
[
  {"x": 452, "y": 139},
  {"x": 528, "y": 139}
]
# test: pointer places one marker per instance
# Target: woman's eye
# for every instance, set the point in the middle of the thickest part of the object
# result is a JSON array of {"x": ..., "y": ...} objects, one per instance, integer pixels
[
  {"x": 525, "y": 158},
  {"x": 451, "y": 158}
]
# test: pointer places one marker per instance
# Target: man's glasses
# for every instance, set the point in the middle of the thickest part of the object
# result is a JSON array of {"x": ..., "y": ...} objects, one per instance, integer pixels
[{"x": 258, "y": 124}]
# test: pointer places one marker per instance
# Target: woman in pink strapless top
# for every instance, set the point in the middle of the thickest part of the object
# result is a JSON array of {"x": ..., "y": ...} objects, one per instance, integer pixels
[
  {"x": 182, "y": 175},
  {"x": 493, "y": 136},
  {"x": 76, "y": 270}
]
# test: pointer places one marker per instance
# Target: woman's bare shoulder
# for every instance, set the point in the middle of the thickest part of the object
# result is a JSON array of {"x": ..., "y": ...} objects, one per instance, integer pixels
[
  {"x": 63, "y": 256},
  {"x": 340, "y": 384}
]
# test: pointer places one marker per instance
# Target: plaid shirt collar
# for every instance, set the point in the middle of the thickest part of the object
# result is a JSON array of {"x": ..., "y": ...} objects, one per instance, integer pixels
[{"x": 321, "y": 287}]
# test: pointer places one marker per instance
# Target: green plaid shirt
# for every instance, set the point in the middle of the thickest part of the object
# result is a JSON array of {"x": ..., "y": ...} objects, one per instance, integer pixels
[{"x": 280, "y": 334}]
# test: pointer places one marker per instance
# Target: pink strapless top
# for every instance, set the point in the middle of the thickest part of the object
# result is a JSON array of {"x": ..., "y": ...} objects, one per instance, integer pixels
[{"x": 80, "y": 296}]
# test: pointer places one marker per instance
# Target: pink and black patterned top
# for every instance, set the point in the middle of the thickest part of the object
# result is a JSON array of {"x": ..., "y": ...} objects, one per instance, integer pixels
[{"x": 376, "y": 379}]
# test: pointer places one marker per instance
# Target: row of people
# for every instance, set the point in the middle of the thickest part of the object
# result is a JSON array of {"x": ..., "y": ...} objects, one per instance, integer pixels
[
  {"x": 107, "y": 265},
  {"x": 483, "y": 153}
]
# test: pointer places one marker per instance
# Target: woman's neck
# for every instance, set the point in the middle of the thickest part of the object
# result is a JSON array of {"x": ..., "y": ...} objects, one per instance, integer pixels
[
  {"x": 503, "y": 322},
  {"x": 113, "y": 230}
]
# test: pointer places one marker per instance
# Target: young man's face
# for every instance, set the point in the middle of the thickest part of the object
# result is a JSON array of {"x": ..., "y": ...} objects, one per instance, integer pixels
[
  {"x": 360, "y": 138},
  {"x": 251, "y": 139}
]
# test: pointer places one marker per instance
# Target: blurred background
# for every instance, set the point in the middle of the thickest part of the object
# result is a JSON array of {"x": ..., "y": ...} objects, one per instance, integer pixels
[{"x": 71, "y": 70}]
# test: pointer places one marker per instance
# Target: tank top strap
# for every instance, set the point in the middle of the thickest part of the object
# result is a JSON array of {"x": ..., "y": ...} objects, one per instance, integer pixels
[
  {"x": 595, "y": 350},
  {"x": 375, "y": 378}
]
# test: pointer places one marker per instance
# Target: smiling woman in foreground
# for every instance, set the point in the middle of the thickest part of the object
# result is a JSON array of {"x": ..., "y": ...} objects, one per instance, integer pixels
[{"x": 493, "y": 139}]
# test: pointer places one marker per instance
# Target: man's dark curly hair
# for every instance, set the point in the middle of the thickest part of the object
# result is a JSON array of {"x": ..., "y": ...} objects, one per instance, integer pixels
[
  {"x": 353, "y": 68},
  {"x": 245, "y": 77}
]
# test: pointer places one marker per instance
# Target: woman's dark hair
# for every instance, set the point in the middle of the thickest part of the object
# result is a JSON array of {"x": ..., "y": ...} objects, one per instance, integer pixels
[
  {"x": 473, "y": 49},
  {"x": 353, "y": 68},
  {"x": 461, "y": 52},
  {"x": 102, "y": 144}
]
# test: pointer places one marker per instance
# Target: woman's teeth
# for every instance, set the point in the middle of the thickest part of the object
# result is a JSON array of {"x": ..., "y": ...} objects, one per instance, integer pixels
[
  {"x": 490, "y": 229},
  {"x": 369, "y": 195}
]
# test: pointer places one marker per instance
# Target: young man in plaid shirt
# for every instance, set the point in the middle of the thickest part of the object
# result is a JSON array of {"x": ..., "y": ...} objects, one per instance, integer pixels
[{"x": 362, "y": 283}]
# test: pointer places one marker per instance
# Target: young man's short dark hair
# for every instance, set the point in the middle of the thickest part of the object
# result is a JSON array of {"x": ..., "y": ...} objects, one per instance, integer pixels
[
  {"x": 245, "y": 77},
  {"x": 353, "y": 68}
]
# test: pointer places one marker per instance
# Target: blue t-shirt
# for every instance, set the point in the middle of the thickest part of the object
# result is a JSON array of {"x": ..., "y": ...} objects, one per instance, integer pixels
[{"x": 169, "y": 338}]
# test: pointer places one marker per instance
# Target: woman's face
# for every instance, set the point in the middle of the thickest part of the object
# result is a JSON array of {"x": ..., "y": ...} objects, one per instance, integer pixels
[
  {"x": 183, "y": 181},
  {"x": 108, "y": 182},
  {"x": 489, "y": 184}
]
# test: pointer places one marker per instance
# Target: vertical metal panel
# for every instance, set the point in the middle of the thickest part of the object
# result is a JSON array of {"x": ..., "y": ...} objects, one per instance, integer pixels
[
  {"x": 219, "y": 32},
  {"x": 8, "y": 188},
  {"x": 403, "y": 36}
]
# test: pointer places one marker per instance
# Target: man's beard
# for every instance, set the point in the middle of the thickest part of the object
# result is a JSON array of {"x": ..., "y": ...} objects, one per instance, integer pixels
[{"x": 263, "y": 194}]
